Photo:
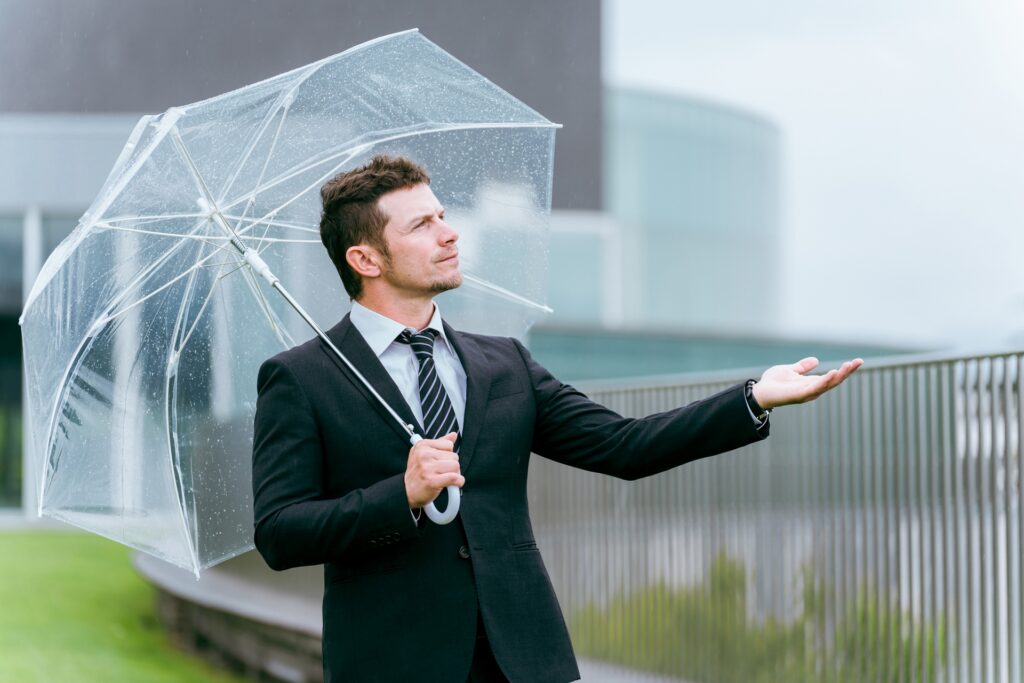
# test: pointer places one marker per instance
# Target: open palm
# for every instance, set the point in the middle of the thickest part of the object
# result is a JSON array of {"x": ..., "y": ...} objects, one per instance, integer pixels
[{"x": 782, "y": 385}]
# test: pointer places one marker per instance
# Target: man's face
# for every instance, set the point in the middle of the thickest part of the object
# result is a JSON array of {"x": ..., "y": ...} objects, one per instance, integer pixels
[{"x": 423, "y": 257}]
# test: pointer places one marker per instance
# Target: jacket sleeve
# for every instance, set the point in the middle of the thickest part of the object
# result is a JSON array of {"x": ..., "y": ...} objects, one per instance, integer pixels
[
  {"x": 296, "y": 523},
  {"x": 572, "y": 429}
]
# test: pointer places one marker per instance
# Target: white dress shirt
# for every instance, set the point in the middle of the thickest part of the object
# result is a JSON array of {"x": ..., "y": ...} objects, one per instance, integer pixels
[{"x": 400, "y": 362}]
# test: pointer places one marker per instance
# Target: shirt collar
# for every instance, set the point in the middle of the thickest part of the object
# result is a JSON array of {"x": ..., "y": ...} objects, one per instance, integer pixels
[{"x": 380, "y": 331}]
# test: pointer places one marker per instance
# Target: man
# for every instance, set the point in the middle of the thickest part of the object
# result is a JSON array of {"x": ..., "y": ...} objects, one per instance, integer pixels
[{"x": 336, "y": 483}]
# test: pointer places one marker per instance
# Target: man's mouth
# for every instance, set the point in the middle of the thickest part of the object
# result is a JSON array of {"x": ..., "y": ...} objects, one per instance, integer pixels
[{"x": 449, "y": 258}]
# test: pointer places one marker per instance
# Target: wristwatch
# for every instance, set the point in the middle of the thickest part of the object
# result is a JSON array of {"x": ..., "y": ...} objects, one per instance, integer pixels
[{"x": 760, "y": 414}]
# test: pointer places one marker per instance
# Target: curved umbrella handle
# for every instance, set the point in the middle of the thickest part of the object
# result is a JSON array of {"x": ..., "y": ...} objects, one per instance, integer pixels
[
  {"x": 438, "y": 517},
  {"x": 454, "y": 498}
]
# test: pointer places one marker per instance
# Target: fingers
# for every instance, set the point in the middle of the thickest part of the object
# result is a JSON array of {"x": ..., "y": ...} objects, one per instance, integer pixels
[
  {"x": 432, "y": 466},
  {"x": 846, "y": 369},
  {"x": 437, "y": 480},
  {"x": 835, "y": 377},
  {"x": 428, "y": 453},
  {"x": 445, "y": 443},
  {"x": 453, "y": 479}
]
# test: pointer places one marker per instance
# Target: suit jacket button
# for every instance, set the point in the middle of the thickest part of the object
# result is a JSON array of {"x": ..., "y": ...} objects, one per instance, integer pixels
[{"x": 463, "y": 552}]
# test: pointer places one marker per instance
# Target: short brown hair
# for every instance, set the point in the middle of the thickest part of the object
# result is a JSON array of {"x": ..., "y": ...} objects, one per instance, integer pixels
[{"x": 350, "y": 213}]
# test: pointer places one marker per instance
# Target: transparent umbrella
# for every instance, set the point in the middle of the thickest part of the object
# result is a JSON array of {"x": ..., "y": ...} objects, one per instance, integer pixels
[{"x": 145, "y": 329}]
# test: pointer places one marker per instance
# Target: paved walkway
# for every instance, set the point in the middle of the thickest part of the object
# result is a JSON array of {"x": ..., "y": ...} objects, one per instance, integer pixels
[
  {"x": 600, "y": 672},
  {"x": 15, "y": 520}
]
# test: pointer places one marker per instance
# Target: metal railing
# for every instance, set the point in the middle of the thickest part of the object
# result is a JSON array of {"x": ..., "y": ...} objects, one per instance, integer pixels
[{"x": 875, "y": 536}]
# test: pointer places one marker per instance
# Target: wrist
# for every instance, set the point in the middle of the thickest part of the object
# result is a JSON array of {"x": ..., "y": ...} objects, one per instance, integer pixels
[
  {"x": 413, "y": 501},
  {"x": 759, "y": 403}
]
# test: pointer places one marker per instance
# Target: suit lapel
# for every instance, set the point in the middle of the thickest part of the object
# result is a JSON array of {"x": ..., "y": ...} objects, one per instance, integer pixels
[
  {"x": 346, "y": 337},
  {"x": 478, "y": 387}
]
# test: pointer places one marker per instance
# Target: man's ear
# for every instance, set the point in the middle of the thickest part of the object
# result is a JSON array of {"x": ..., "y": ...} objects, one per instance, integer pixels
[{"x": 364, "y": 260}]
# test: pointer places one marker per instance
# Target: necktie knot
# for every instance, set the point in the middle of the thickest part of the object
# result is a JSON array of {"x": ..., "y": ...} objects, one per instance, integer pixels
[{"x": 422, "y": 343}]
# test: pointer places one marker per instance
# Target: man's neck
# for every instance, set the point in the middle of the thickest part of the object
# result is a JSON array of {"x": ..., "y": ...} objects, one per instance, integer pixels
[{"x": 414, "y": 313}]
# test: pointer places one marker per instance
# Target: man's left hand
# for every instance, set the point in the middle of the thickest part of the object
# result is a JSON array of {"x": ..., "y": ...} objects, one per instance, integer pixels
[{"x": 782, "y": 385}]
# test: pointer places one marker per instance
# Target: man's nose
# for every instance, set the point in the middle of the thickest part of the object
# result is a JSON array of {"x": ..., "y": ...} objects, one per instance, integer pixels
[{"x": 449, "y": 235}]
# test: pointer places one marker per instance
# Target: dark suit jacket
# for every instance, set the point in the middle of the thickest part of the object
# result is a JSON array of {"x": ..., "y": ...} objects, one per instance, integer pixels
[{"x": 401, "y": 599}]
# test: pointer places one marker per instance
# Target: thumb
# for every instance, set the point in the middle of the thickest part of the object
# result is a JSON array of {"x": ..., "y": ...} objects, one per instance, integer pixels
[
  {"x": 805, "y": 365},
  {"x": 451, "y": 437}
]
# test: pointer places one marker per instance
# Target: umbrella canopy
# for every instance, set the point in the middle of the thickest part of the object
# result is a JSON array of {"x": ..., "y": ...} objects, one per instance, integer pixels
[{"x": 145, "y": 329}]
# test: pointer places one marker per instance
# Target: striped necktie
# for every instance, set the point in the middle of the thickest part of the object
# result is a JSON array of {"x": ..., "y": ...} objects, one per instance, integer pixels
[{"x": 438, "y": 414}]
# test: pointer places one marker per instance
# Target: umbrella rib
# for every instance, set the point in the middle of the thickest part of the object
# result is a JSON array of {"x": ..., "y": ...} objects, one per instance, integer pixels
[
  {"x": 244, "y": 231},
  {"x": 238, "y": 266},
  {"x": 206, "y": 300},
  {"x": 49, "y": 462},
  {"x": 149, "y": 218},
  {"x": 210, "y": 239},
  {"x": 266, "y": 162},
  {"x": 282, "y": 104},
  {"x": 501, "y": 291},
  {"x": 204, "y": 189},
  {"x": 284, "y": 240},
  {"x": 163, "y": 124},
  {"x": 297, "y": 195},
  {"x": 142, "y": 277},
  {"x": 171, "y": 417},
  {"x": 171, "y": 414},
  {"x": 275, "y": 324},
  {"x": 185, "y": 273},
  {"x": 235, "y": 237},
  {"x": 275, "y": 223},
  {"x": 270, "y": 153},
  {"x": 260, "y": 241}
]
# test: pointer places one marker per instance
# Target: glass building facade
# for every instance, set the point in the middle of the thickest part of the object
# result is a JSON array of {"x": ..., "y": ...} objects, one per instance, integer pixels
[
  {"x": 695, "y": 188},
  {"x": 54, "y": 165}
]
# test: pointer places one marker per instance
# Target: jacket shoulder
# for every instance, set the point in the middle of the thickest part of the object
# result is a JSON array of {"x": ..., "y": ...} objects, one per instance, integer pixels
[
  {"x": 493, "y": 347},
  {"x": 307, "y": 356},
  {"x": 488, "y": 341}
]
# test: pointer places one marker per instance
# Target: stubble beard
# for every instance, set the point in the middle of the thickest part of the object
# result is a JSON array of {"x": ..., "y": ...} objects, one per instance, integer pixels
[{"x": 445, "y": 285}]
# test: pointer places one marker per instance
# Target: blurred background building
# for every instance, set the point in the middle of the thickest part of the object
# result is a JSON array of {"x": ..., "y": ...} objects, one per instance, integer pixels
[{"x": 667, "y": 209}]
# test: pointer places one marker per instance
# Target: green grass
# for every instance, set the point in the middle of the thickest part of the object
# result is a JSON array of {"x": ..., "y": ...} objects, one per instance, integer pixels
[{"x": 72, "y": 609}]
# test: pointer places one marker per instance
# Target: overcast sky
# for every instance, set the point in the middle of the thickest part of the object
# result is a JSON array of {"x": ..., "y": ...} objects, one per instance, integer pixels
[{"x": 903, "y": 150}]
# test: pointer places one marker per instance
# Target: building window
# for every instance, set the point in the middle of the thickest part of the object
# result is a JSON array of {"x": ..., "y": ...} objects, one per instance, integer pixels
[
  {"x": 12, "y": 232},
  {"x": 11, "y": 229}
]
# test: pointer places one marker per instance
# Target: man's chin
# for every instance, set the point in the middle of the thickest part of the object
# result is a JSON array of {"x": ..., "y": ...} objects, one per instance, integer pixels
[{"x": 446, "y": 285}]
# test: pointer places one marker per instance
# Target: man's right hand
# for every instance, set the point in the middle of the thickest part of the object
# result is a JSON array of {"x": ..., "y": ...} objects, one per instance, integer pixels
[{"x": 433, "y": 465}]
